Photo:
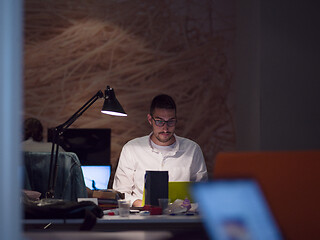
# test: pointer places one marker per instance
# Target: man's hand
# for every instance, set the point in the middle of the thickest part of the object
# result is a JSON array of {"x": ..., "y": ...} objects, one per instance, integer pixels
[{"x": 137, "y": 203}]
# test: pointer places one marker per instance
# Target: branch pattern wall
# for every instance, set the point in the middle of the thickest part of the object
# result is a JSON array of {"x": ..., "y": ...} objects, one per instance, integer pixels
[{"x": 141, "y": 49}]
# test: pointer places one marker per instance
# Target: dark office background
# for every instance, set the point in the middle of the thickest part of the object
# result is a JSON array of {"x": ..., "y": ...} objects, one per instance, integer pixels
[{"x": 244, "y": 74}]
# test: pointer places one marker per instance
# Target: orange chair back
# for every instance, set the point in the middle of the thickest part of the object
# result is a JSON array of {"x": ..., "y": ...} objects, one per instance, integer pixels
[{"x": 290, "y": 181}]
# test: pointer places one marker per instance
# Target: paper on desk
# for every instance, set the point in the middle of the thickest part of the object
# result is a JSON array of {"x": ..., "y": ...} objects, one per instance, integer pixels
[{"x": 182, "y": 206}]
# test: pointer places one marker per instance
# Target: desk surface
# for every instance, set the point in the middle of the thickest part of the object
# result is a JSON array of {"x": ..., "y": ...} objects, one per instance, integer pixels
[
  {"x": 117, "y": 223},
  {"x": 125, "y": 235}
]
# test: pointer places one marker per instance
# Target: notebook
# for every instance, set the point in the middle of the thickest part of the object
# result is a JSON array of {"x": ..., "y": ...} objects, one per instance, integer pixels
[
  {"x": 96, "y": 177},
  {"x": 235, "y": 209}
]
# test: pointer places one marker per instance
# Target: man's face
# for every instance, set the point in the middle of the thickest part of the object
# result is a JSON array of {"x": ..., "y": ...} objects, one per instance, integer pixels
[{"x": 163, "y": 135}]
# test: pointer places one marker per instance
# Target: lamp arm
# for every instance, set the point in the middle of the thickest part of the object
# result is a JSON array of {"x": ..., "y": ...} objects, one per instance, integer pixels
[
  {"x": 78, "y": 113},
  {"x": 57, "y": 132}
]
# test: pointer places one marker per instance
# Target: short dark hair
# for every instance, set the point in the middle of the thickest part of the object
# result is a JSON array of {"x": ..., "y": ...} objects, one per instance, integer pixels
[
  {"x": 33, "y": 129},
  {"x": 162, "y": 101}
]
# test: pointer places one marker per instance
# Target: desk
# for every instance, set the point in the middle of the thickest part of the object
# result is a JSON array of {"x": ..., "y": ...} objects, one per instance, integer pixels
[{"x": 117, "y": 223}]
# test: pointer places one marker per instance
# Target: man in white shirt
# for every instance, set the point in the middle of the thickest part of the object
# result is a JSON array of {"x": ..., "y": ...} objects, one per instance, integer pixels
[{"x": 162, "y": 150}]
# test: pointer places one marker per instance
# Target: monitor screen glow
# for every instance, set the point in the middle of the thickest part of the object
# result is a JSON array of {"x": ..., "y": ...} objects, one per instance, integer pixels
[{"x": 96, "y": 177}]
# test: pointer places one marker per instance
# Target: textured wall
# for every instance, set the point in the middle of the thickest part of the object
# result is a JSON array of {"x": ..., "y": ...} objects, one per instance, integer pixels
[{"x": 141, "y": 49}]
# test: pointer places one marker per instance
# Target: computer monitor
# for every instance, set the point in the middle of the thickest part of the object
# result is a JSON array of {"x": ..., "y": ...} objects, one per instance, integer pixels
[
  {"x": 92, "y": 145},
  {"x": 96, "y": 177}
]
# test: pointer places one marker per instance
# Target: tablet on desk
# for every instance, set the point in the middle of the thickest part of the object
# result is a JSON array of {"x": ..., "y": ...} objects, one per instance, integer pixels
[{"x": 235, "y": 209}]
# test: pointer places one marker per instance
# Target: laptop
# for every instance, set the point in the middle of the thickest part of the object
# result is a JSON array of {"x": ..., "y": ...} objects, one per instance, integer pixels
[
  {"x": 235, "y": 209},
  {"x": 96, "y": 177},
  {"x": 179, "y": 190}
]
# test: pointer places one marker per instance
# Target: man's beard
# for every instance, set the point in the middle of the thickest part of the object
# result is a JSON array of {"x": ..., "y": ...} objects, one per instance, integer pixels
[{"x": 164, "y": 140}]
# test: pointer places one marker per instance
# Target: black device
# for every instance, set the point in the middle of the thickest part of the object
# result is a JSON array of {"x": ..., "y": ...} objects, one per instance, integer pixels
[
  {"x": 92, "y": 145},
  {"x": 156, "y": 186}
]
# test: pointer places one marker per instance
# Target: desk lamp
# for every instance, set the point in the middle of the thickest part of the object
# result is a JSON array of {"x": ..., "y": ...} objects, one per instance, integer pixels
[{"x": 111, "y": 106}]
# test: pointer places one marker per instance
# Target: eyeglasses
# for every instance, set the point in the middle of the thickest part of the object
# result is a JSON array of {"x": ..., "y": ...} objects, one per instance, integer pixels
[{"x": 170, "y": 123}]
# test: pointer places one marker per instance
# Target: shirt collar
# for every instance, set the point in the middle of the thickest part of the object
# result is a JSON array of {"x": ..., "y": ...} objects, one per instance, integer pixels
[{"x": 173, "y": 151}]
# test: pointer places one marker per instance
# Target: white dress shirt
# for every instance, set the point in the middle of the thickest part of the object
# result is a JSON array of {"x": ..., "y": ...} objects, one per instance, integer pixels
[{"x": 184, "y": 162}]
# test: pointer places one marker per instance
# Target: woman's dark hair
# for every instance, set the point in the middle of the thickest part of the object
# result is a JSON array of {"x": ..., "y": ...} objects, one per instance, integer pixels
[
  {"x": 33, "y": 129},
  {"x": 162, "y": 101}
]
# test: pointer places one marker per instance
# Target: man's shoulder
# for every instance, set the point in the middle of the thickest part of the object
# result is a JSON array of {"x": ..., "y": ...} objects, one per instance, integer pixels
[
  {"x": 186, "y": 141},
  {"x": 33, "y": 146},
  {"x": 137, "y": 141}
]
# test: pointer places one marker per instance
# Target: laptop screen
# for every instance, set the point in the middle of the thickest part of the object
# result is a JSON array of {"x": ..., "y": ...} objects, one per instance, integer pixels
[
  {"x": 235, "y": 209},
  {"x": 96, "y": 177}
]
